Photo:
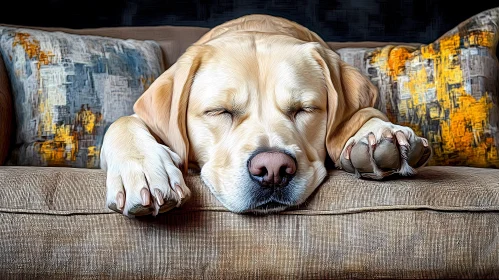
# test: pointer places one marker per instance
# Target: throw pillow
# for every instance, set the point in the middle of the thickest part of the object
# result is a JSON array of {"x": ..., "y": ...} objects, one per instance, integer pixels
[
  {"x": 68, "y": 88},
  {"x": 446, "y": 91}
]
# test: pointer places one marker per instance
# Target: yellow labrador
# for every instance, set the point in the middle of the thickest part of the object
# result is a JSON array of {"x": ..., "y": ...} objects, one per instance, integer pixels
[{"x": 258, "y": 103}]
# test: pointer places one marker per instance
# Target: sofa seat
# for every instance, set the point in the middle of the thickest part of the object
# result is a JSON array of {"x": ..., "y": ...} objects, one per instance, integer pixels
[{"x": 442, "y": 223}]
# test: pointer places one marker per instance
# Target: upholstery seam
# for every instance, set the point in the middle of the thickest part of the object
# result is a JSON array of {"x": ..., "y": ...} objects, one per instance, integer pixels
[{"x": 302, "y": 212}]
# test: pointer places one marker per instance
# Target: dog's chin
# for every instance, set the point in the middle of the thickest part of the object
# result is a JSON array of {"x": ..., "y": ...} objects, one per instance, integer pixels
[
  {"x": 268, "y": 208},
  {"x": 257, "y": 202}
]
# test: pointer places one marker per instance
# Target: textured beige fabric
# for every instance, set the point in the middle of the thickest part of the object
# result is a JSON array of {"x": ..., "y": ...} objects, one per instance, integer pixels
[
  {"x": 440, "y": 224},
  {"x": 52, "y": 190},
  {"x": 6, "y": 113}
]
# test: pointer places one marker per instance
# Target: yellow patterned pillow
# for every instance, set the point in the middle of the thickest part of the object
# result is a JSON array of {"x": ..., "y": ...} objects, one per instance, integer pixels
[{"x": 446, "y": 91}]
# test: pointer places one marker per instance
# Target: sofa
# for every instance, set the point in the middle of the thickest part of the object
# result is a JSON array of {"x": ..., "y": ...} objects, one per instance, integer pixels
[{"x": 54, "y": 224}]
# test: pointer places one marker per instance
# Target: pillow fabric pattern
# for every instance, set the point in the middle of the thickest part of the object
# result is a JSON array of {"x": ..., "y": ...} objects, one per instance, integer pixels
[
  {"x": 68, "y": 88},
  {"x": 446, "y": 91}
]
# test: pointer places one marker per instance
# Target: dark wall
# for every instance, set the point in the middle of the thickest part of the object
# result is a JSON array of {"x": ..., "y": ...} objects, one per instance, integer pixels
[{"x": 336, "y": 20}]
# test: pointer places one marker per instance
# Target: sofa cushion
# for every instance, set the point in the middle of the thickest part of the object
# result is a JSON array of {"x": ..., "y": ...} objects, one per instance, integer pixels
[
  {"x": 71, "y": 191},
  {"x": 443, "y": 223},
  {"x": 68, "y": 88},
  {"x": 446, "y": 91}
]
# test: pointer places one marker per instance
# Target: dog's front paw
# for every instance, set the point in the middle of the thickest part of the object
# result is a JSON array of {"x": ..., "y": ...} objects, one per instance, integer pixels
[
  {"x": 380, "y": 149},
  {"x": 145, "y": 183}
]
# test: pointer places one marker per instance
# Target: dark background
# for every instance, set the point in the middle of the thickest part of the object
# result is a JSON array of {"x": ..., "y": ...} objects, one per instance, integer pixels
[{"x": 337, "y": 20}]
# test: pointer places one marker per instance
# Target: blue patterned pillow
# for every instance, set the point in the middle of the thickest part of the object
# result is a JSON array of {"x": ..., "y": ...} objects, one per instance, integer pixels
[{"x": 68, "y": 88}]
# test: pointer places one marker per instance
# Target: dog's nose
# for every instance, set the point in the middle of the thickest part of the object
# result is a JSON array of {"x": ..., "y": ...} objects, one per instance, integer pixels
[{"x": 272, "y": 169}]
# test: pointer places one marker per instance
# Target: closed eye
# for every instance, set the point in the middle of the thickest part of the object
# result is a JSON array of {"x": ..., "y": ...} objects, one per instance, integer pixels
[
  {"x": 308, "y": 109},
  {"x": 217, "y": 112},
  {"x": 305, "y": 110}
]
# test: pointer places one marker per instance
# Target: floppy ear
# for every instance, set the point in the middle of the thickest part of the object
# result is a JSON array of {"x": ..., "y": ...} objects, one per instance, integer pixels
[
  {"x": 350, "y": 97},
  {"x": 163, "y": 105}
]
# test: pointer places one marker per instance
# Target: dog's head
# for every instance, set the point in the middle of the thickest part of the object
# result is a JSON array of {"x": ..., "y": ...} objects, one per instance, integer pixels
[{"x": 258, "y": 113}]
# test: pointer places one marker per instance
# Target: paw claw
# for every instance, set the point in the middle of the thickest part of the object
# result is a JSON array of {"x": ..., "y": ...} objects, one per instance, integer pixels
[
  {"x": 146, "y": 196},
  {"x": 159, "y": 197},
  {"x": 401, "y": 138},
  {"x": 179, "y": 191},
  {"x": 371, "y": 139},
  {"x": 120, "y": 199},
  {"x": 348, "y": 150},
  {"x": 425, "y": 142}
]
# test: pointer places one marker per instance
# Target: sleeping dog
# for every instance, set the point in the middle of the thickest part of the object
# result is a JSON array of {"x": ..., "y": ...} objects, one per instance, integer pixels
[{"x": 258, "y": 104}]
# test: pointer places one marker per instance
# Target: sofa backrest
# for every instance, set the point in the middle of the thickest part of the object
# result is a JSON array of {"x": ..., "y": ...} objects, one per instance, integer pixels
[{"x": 174, "y": 40}]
